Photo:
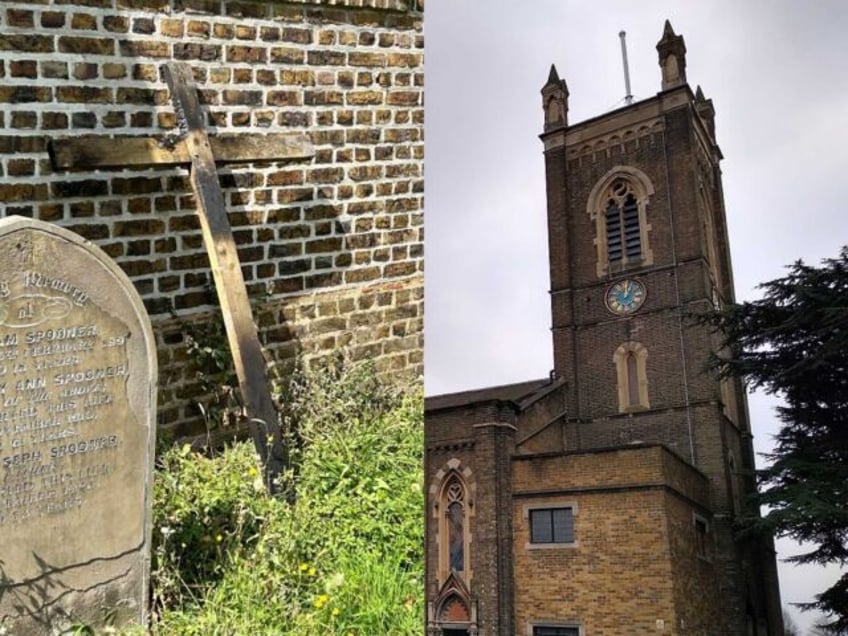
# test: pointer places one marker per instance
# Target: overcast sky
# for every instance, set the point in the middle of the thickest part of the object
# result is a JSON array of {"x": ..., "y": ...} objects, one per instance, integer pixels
[{"x": 777, "y": 72}]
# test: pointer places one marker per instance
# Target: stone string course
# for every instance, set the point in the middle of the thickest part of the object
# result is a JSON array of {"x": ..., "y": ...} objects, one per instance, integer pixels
[{"x": 331, "y": 248}]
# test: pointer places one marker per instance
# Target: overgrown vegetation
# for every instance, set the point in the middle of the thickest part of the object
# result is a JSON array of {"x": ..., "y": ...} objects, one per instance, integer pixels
[{"x": 343, "y": 556}]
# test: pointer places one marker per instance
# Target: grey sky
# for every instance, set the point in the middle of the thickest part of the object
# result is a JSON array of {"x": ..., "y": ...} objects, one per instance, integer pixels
[{"x": 778, "y": 74}]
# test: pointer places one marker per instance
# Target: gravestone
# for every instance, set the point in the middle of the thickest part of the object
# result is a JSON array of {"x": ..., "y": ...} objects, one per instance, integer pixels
[{"x": 77, "y": 427}]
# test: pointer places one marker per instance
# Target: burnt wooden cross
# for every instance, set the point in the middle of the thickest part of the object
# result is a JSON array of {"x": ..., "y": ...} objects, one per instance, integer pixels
[{"x": 195, "y": 148}]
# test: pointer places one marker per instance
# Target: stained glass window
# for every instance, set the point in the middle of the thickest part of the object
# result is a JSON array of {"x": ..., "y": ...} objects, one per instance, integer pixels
[
  {"x": 455, "y": 520},
  {"x": 456, "y": 527}
]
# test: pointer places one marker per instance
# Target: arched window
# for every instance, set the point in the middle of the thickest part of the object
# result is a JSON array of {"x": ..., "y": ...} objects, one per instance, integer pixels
[
  {"x": 618, "y": 205},
  {"x": 454, "y": 533},
  {"x": 630, "y": 361},
  {"x": 456, "y": 527}
]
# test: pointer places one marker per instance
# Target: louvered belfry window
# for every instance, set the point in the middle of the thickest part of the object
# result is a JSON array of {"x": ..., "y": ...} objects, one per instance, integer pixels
[{"x": 624, "y": 234}]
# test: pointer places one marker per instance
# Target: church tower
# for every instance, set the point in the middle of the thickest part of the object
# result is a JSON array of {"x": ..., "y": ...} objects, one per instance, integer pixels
[
  {"x": 638, "y": 246},
  {"x": 604, "y": 498}
]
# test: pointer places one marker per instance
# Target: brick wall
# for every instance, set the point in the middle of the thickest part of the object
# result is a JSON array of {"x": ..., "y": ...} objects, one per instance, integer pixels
[
  {"x": 480, "y": 440},
  {"x": 664, "y": 139},
  {"x": 585, "y": 333},
  {"x": 619, "y": 576},
  {"x": 634, "y": 561},
  {"x": 696, "y": 578},
  {"x": 540, "y": 427},
  {"x": 331, "y": 247}
]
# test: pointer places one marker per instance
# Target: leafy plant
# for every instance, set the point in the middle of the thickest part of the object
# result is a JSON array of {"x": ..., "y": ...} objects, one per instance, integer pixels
[
  {"x": 208, "y": 351},
  {"x": 343, "y": 556}
]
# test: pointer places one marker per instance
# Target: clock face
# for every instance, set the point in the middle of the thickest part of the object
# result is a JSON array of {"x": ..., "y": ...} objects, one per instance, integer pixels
[{"x": 625, "y": 296}]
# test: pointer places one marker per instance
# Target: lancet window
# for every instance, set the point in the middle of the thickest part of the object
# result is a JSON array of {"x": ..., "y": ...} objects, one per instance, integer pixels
[
  {"x": 630, "y": 361},
  {"x": 456, "y": 527},
  {"x": 454, "y": 538}
]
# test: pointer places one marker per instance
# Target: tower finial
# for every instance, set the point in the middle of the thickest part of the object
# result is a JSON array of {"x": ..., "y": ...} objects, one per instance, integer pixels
[
  {"x": 555, "y": 101},
  {"x": 672, "y": 52},
  {"x": 704, "y": 107}
]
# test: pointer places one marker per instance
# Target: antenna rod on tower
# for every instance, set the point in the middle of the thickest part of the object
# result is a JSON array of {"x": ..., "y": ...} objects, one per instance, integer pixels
[{"x": 628, "y": 98}]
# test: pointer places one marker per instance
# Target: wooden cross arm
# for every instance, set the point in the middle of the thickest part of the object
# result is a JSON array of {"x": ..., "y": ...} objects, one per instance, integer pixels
[{"x": 129, "y": 151}]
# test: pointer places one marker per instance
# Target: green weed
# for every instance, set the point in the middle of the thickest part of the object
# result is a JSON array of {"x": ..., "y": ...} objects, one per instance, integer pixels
[{"x": 346, "y": 557}]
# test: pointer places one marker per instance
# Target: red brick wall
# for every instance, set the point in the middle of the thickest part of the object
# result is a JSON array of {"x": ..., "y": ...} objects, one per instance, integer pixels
[{"x": 331, "y": 248}]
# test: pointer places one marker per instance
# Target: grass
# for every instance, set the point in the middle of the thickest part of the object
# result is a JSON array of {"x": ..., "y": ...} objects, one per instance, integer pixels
[{"x": 345, "y": 558}]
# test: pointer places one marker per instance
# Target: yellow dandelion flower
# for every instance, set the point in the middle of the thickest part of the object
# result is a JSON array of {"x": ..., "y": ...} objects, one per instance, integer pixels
[
  {"x": 219, "y": 538},
  {"x": 304, "y": 567},
  {"x": 252, "y": 472},
  {"x": 312, "y": 571},
  {"x": 336, "y": 611}
]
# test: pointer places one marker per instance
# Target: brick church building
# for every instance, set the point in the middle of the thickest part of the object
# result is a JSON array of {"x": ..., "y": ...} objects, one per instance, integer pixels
[{"x": 602, "y": 500}]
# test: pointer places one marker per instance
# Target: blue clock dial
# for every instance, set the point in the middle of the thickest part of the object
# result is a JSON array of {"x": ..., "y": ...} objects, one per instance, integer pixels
[{"x": 625, "y": 296}]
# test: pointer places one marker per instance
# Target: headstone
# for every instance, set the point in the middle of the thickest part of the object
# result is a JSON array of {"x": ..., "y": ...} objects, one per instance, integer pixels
[{"x": 77, "y": 427}]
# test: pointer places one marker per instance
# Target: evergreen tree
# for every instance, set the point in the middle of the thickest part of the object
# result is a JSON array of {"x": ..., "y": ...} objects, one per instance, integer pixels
[{"x": 794, "y": 343}]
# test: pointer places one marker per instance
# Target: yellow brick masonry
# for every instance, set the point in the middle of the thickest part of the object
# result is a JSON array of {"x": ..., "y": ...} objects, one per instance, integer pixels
[
  {"x": 382, "y": 322},
  {"x": 633, "y": 513},
  {"x": 349, "y": 73}
]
